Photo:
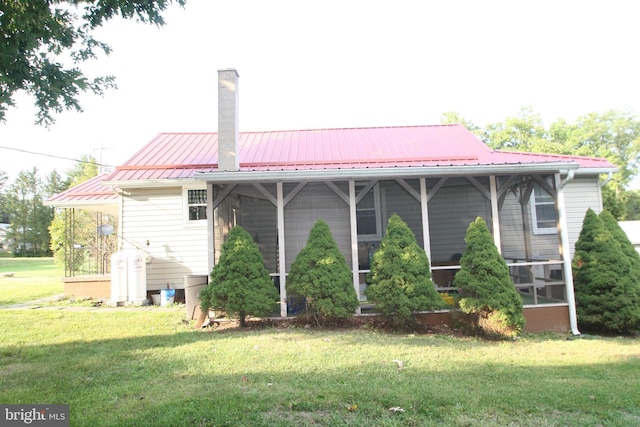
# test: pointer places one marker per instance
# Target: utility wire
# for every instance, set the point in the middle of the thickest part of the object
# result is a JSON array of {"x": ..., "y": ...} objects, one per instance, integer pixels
[{"x": 54, "y": 156}]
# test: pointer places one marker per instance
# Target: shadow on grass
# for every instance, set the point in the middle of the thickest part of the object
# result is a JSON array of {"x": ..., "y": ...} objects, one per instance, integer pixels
[{"x": 280, "y": 377}]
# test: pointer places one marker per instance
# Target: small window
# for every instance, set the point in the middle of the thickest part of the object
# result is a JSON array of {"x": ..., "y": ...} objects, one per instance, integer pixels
[
  {"x": 196, "y": 205},
  {"x": 368, "y": 214},
  {"x": 543, "y": 212}
]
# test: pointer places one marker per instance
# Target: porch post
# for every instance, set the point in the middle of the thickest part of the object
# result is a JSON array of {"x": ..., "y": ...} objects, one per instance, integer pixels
[
  {"x": 211, "y": 229},
  {"x": 565, "y": 251},
  {"x": 424, "y": 207},
  {"x": 495, "y": 215},
  {"x": 353, "y": 220},
  {"x": 282, "y": 267}
]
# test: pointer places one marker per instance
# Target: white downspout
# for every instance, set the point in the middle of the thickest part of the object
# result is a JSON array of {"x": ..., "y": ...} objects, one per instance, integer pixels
[
  {"x": 609, "y": 176},
  {"x": 566, "y": 252}
]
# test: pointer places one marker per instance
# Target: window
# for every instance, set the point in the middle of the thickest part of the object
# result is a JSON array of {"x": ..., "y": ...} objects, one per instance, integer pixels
[
  {"x": 196, "y": 202},
  {"x": 368, "y": 214},
  {"x": 543, "y": 211}
]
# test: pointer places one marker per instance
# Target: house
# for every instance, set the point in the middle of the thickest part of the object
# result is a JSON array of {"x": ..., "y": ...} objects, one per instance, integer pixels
[
  {"x": 632, "y": 230},
  {"x": 4, "y": 242},
  {"x": 179, "y": 195}
]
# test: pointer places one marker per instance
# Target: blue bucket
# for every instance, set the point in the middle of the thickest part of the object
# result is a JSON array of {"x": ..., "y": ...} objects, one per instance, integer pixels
[{"x": 167, "y": 296}]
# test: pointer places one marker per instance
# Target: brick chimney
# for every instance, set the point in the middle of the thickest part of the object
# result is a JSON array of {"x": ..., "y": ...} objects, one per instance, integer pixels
[{"x": 228, "y": 130}]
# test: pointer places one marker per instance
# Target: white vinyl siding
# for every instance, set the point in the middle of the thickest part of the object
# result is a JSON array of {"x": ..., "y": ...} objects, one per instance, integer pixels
[
  {"x": 580, "y": 194},
  {"x": 156, "y": 216}
]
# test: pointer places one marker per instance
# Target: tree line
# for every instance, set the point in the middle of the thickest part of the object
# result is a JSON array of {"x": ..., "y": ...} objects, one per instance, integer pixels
[
  {"x": 613, "y": 135},
  {"x": 22, "y": 206}
]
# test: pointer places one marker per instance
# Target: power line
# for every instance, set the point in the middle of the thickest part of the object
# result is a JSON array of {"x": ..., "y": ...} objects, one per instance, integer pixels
[{"x": 54, "y": 156}]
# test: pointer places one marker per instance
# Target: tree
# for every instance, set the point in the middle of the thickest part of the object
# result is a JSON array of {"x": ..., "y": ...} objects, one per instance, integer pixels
[
  {"x": 524, "y": 132},
  {"x": 487, "y": 294},
  {"x": 240, "y": 283},
  {"x": 452, "y": 117},
  {"x": 629, "y": 251},
  {"x": 614, "y": 135},
  {"x": 30, "y": 219},
  {"x": 320, "y": 274},
  {"x": 39, "y": 35},
  {"x": 606, "y": 297},
  {"x": 631, "y": 203},
  {"x": 400, "y": 279},
  {"x": 5, "y": 215}
]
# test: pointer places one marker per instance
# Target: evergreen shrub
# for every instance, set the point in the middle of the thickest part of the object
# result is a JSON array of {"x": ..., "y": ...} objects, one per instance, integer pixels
[
  {"x": 604, "y": 279},
  {"x": 321, "y": 275},
  {"x": 240, "y": 283},
  {"x": 400, "y": 282},
  {"x": 487, "y": 294}
]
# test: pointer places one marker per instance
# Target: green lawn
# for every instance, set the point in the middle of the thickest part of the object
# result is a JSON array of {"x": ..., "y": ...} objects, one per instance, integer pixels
[
  {"x": 33, "y": 278},
  {"x": 146, "y": 367}
]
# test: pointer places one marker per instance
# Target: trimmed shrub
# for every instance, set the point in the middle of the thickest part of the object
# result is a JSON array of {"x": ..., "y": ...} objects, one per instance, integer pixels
[
  {"x": 619, "y": 236},
  {"x": 321, "y": 275},
  {"x": 240, "y": 283},
  {"x": 400, "y": 279},
  {"x": 603, "y": 278},
  {"x": 487, "y": 294}
]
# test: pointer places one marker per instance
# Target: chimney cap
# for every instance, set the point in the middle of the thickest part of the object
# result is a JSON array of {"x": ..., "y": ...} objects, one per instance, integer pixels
[{"x": 222, "y": 70}]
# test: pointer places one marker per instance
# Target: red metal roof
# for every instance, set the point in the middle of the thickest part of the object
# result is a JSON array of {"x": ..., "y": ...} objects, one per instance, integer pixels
[
  {"x": 180, "y": 155},
  {"x": 91, "y": 194}
]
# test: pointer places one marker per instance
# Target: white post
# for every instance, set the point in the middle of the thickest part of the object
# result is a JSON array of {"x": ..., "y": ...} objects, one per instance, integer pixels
[
  {"x": 355, "y": 265},
  {"x": 566, "y": 256},
  {"x": 282, "y": 268},
  {"x": 424, "y": 206},
  {"x": 495, "y": 216},
  {"x": 211, "y": 229}
]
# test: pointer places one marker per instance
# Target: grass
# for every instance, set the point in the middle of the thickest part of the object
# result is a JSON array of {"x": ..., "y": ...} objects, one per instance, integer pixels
[
  {"x": 143, "y": 367},
  {"x": 33, "y": 278}
]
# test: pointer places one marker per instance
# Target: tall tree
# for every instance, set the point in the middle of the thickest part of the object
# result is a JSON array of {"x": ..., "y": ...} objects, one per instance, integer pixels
[
  {"x": 30, "y": 221},
  {"x": 38, "y": 35},
  {"x": 523, "y": 132},
  {"x": 5, "y": 214},
  {"x": 614, "y": 135}
]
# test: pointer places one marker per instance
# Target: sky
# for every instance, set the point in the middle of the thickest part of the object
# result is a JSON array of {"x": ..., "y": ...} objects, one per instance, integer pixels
[{"x": 334, "y": 64}]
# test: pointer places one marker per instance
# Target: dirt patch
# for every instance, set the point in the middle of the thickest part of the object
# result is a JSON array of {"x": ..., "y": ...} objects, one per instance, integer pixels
[{"x": 371, "y": 323}]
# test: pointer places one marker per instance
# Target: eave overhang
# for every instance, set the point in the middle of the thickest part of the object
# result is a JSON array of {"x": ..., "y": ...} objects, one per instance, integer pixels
[{"x": 236, "y": 177}]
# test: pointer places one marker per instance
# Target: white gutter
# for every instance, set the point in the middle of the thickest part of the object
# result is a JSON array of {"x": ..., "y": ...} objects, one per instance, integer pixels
[
  {"x": 380, "y": 173},
  {"x": 150, "y": 183}
]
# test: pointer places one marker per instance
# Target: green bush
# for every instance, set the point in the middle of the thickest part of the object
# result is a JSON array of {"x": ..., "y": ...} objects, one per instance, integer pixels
[
  {"x": 240, "y": 283},
  {"x": 603, "y": 278},
  {"x": 619, "y": 236},
  {"x": 400, "y": 279},
  {"x": 487, "y": 293},
  {"x": 320, "y": 274}
]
